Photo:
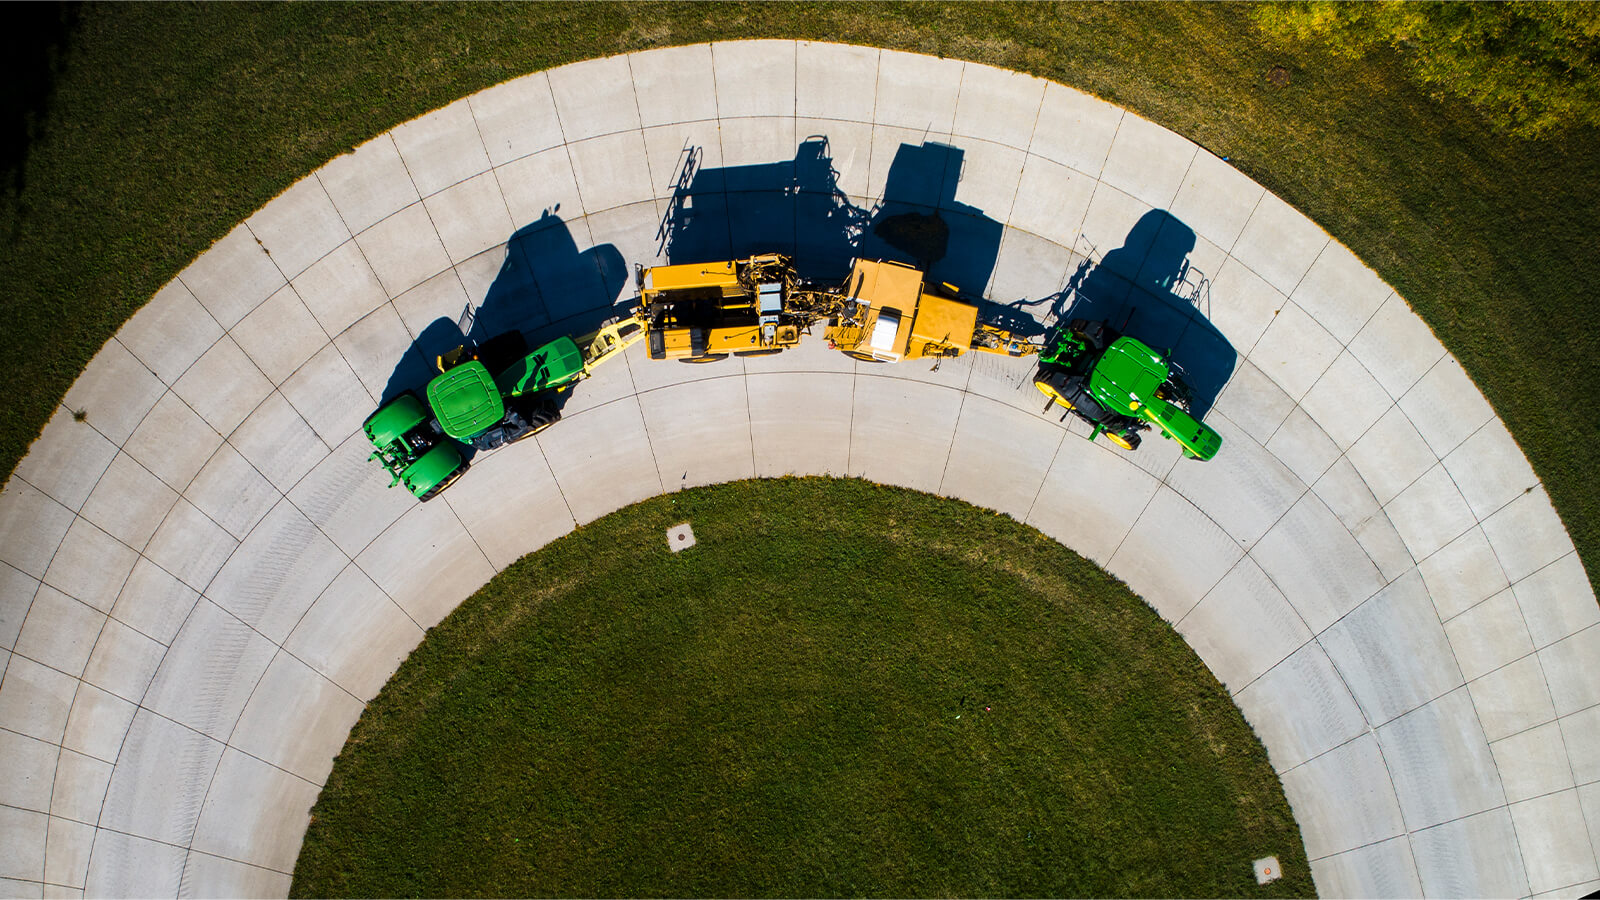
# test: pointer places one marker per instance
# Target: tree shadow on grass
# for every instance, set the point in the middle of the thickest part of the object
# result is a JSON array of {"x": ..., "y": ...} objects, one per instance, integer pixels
[{"x": 34, "y": 38}]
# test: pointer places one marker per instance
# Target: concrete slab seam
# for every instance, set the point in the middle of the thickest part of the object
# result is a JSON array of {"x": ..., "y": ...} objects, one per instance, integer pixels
[
  {"x": 633, "y": 88},
  {"x": 1302, "y": 280},
  {"x": 1299, "y": 404},
  {"x": 224, "y": 743},
  {"x": 850, "y": 435},
  {"x": 661, "y": 481},
  {"x": 277, "y": 387},
  {"x": 193, "y": 852},
  {"x": 100, "y": 829},
  {"x": 1418, "y": 383},
  {"x": 750, "y": 423},
  {"x": 944, "y": 468},
  {"x": 1544, "y": 676},
  {"x": 946, "y": 188},
  {"x": 1163, "y": 479},
  {"x": 722, "y": 150},
  {"x": 1187, "y": 168},
  {"x": 1055, "y": 454},
  {"x": 432, "y": 223},
  {"x": 1033, "y": 129},
  {"x": 355, "y": 234}
]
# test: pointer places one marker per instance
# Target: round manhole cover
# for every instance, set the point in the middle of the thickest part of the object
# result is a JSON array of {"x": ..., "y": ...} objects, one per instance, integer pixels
[{"x": 1278, "y": 75}]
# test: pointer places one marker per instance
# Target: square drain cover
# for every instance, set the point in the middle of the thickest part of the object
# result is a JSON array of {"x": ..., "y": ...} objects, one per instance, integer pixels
[{"x": 680, "y": 537}]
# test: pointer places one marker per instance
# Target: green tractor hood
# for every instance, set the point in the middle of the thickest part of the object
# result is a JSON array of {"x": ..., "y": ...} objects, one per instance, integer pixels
[
  {"x": 1128, "y": 375},
  {"x": 555, "y": 365},
  {"x": 468, "y": 402},
  {"x": 1198, "y": 439}
]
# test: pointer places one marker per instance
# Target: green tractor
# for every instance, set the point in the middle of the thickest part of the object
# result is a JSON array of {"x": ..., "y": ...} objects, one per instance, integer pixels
[
  {"x": 1122, "y": 387},
  {"x": 467, "y": 403}
]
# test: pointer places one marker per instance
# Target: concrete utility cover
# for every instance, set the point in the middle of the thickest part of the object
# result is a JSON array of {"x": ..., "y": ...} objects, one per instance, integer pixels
[
  {"x": 680, "y": 537},
  {"x": 204, "y": 582},
  {"x": 1268, "y": 870}
]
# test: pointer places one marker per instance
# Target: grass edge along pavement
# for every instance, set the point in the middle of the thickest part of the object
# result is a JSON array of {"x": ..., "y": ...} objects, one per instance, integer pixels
[
  {"x": 766, "y": 714},
  {"x": 170, "y": 124}
]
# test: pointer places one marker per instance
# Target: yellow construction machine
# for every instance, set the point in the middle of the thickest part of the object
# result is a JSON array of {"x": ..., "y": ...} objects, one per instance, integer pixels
[
  {"x": 889, "y": 312},
  {"x": 885, "y": 311},
  {"x": 703, "y": 312}
]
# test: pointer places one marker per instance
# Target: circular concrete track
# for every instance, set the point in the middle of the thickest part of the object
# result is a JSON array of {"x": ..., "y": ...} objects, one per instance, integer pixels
[{"x": 206, "y": 580}]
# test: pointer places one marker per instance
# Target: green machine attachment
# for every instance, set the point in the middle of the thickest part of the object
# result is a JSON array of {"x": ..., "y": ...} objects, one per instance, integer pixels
[
  {"x": 408, "y": 443},
  {"x": 417, "y": 442}
]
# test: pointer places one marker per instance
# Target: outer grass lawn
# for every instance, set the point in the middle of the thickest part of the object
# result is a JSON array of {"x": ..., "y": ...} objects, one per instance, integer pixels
[{"x": 844, "y": 689}]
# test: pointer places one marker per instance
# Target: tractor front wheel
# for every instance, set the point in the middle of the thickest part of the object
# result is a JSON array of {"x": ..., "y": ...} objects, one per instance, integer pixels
[
  {"x": 1127, "y": 439},
  {"x": 1051, "y": 384}
]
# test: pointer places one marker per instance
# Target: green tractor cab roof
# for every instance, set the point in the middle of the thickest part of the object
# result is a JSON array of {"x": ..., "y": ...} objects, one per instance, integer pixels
[
  {"x": 556, "y": 364},
  {"x": 1129, "y": 371},
  {"x": 466, "y": 400}
]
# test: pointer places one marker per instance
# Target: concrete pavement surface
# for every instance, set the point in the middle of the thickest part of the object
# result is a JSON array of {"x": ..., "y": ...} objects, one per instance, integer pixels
[{"x": 203, "y": 582}]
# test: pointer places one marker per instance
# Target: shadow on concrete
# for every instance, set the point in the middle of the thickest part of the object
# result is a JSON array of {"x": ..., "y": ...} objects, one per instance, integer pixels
[
  {"x": 1148, "y": 289},
  {"x": 546, "y": 287},
  {"x": 797, "y": 207},
  {"x": 919, "y": 220},
  {"x": 793, "y": 207}
]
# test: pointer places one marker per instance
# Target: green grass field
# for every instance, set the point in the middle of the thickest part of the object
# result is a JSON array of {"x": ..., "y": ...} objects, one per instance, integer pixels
[
  {"x": 169, "y": 124},
  {"x": 767, "y": 714}
]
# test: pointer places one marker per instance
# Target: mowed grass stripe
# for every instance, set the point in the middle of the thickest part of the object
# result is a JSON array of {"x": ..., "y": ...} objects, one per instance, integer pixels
[{"x": 844, "y": 689}]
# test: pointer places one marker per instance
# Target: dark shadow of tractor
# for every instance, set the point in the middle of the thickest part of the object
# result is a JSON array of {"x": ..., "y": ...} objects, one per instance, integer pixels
[
  {"x": 797, "y": 207},
  {"x": 546, "y": 288},
  {"x": 1149, "y": 289}
]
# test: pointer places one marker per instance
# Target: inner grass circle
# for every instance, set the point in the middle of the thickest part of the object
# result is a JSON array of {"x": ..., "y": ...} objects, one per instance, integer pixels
[{"x": 840, "y": 689}]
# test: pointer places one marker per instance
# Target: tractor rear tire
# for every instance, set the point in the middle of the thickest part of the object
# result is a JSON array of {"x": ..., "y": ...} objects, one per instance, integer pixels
[
  {"x": 434, "y": 491},
  {"x": 1050, "y": 384},
  {"x": 543, "y": 418}
]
